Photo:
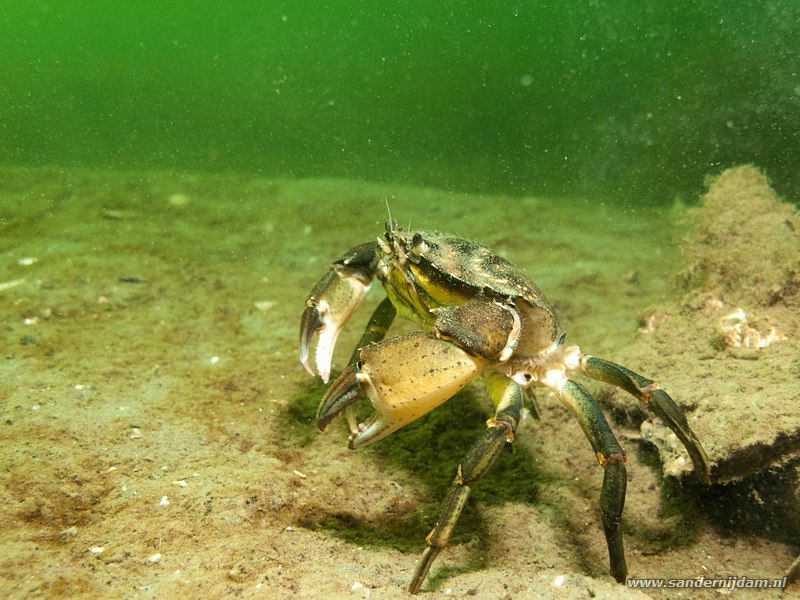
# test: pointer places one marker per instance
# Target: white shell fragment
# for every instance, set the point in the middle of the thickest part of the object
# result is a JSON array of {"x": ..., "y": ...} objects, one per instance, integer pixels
[
  {"x": 360, "y": 587},
  {"x": 739, "y": 333}
]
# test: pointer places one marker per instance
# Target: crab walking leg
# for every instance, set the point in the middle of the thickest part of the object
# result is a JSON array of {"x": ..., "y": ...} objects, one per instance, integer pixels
[
  {"x": 379, "y": 323},
  {"x": 376, "y": 328},
  {"x": 654, "y": 398},
  {"x": 507, "y": 397},
  {"x": 611, "y": 457}
]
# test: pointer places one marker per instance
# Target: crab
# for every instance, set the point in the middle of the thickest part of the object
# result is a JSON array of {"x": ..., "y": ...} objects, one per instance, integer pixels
[{"x": 479, "y": 315}]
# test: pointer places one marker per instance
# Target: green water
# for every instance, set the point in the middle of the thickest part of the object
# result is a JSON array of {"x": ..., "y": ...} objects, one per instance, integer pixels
[{"x": 629, "y": 99}]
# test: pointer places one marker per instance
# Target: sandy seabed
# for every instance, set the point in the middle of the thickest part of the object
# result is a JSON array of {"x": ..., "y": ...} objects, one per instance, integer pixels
[{"x": 158, "y": 435}]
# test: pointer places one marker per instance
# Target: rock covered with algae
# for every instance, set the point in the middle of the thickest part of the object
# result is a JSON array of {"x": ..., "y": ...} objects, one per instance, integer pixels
[
  {"x": 745, "y": 249},
  {"x": 730, "y": 351}
]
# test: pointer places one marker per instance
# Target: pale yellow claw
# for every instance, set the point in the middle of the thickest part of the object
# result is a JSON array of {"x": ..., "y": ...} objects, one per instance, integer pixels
[{"x": 328, "y": 308}]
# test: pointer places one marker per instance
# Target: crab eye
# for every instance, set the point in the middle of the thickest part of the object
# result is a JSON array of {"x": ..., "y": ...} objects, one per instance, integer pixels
[{"x": 418, "y": 245}]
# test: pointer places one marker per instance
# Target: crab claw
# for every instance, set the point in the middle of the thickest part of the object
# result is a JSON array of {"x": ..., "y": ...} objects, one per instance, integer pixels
[
  {"x": 342, "y": 394},
  {"x": 328, "y": 308},
  {"x": 403, "y": 377}
]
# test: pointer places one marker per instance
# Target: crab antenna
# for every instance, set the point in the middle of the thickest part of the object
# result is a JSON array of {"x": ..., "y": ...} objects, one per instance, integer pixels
[{"x": 389, "y": 210}]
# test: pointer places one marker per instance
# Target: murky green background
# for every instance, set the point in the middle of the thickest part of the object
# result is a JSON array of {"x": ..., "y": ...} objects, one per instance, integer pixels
[{"x": 629, "y": 99}]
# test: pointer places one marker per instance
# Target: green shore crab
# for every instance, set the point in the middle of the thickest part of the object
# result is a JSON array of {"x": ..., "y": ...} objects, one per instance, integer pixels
[{"x": 480, "y": 315}]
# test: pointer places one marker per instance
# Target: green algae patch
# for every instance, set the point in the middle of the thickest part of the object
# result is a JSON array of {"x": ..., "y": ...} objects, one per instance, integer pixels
[{"x": 302, "y": 408}]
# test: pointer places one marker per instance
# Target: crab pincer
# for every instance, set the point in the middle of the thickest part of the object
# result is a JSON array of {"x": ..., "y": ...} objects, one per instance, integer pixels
[{"x": 328, "y": 308}]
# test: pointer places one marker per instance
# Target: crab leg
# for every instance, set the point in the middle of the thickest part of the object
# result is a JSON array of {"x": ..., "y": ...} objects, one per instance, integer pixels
[
  {"x": 508, "y": 399},
  {"x": 376, "y": 328},
  {"x": 611, "y": 457},
  {"x": 654, "y": 398}
]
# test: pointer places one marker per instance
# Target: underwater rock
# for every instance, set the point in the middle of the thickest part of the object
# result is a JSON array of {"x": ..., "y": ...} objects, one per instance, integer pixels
[
  {"x": 730, "y": 352},
  {"x": 745, "y": 248}
]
